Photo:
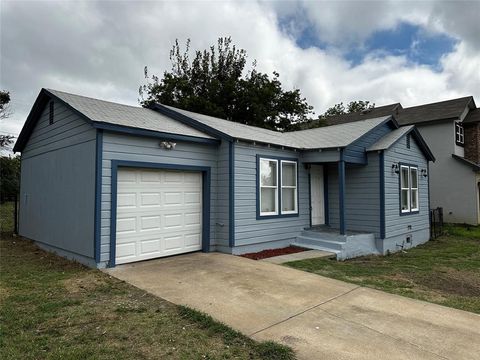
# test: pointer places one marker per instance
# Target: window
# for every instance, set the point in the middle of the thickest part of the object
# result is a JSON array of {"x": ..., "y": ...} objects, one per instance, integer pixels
[
  {"x": 289, "y": 187},
  {"x": 408, "y": 189},
  {"x": 459, "y": 134},
  {"x": 50, "y": 115},
  {"x": 278, "y": 188},
  {"x": 268, "y": 187}
]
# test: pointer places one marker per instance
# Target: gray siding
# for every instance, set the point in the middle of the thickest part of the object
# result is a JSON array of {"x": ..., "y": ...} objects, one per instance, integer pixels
[
  {"x": 135, "y": 148},
  {"x": 362, "y": 196},
  {"x": 452, "y": 183},
  {"x": 356, "y": 153},
  {"x": 57, "y": 194},
  {"x": 249, "y": 230},
  {"x": 395, "y": 224}
]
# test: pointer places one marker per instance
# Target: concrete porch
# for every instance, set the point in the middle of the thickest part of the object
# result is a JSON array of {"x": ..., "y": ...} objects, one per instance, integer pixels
[{"x": 345, "y": 246}]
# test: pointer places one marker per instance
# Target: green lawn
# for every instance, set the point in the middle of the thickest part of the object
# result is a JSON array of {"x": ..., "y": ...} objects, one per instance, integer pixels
[
  {"x": 445, "y": 271},
  {"x": 52, "y": 308}
]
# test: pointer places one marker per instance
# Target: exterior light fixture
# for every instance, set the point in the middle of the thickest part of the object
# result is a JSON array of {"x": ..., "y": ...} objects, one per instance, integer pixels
[
  {"x": 167, "y": 145},
  {"x": 424, "y": 172},
  {"x": 395, "y": 168}
]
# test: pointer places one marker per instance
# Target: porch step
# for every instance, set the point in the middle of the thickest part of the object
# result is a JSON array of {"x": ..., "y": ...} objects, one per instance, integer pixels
[
  {"x": 319, "y": 243},
  {"x": 329, "y": 236}
]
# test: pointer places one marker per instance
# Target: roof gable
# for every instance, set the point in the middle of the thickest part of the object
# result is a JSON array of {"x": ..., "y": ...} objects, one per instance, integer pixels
[{"x": 393, "y": 137}]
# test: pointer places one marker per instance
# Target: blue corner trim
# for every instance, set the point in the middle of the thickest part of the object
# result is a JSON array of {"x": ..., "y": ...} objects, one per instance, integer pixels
[
  {"x": 279, "y": 174},
  {"x": 310, "y": 197},
  {"x": 231, "y": 194},
  {"x": 382, "y": 194},
  {"x": 190, "y": 122},
  {"x": 156, "y": 134},
  {"x": 206, "y": 181},
  {"x": 98, "y": 194},
  {"x": 341, "y": 195},
  {"x": 325, "y": 195}
]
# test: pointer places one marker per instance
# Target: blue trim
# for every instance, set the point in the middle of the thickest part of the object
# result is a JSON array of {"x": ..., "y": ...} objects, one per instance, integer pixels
[
  {"x": 156, "y": 134},
  {"x": 231, "y": 194},
  {"x": 190, "y": 122},
  {"x": 381, "y": 160},
  {"x": 341, "y": 195},
  {"x": 206, "y": 172},
  {"x": 400, "y": 164},
  {"x": 98, "y": 194},
  {"x": 325, "y": 195},
  {"x": 279, "y": 174},
  {"x": 310, "y": 196}
]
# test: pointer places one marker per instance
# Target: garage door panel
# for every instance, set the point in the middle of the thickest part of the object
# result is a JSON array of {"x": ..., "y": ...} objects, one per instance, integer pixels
[
  {"x": 150, "y": 199},
  {"x": 126, "y": 225},
  {"x": 148, "y": 223},
  {"x": 159, "y": 213},
  {"x": 125, "y": 200}
]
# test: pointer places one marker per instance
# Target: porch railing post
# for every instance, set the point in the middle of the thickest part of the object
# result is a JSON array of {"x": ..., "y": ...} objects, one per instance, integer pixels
[{"x": 341, "y": 196}]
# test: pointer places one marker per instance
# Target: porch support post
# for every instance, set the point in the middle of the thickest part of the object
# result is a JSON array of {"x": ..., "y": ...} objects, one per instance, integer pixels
[{"x": 341, "y": 195}]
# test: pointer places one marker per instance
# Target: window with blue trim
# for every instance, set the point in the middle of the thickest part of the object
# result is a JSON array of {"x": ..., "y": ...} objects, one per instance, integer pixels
[
  {"x": 278, "y": 188},
  {"x": 408, "y": 189}
]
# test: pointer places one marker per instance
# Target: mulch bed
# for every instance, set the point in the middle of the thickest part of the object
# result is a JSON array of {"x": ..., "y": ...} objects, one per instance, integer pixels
[{"x": 273, "y": 252}]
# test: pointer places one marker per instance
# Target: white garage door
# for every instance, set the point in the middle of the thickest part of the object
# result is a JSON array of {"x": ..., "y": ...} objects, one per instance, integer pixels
[{"x": 159, "y": 213}]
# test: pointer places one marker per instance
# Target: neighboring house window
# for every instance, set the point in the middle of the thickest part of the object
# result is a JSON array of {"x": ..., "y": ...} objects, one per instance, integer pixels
[
  {"x": 268, "y": 187},
  {"x": 278, "y": 188},
  {"x": 50, "y": 115},
  {"x": 459, "y": 134},
  {"x": 408, "y": 189},
  {"x": 289, "y": 187}
]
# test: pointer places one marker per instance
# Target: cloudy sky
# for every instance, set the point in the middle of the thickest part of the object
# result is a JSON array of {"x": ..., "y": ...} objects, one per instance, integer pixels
[{"x": 389, "y": 51}]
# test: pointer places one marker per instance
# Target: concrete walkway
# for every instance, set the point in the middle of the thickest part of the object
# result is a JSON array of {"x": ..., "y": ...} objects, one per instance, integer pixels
[{"x": 320, "y": 318}]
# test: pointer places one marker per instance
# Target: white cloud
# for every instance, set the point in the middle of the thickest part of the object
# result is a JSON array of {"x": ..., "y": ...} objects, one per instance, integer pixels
[{"x": 99, "y": 49}]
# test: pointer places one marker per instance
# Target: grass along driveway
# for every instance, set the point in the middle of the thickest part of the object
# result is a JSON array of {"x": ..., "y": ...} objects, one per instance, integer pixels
[
  {"x": 52, "y": 308},
  {"x": 445, "y": 271}
]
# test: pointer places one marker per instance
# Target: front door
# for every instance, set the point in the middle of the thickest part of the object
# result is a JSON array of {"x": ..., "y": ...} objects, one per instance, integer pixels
[{"x": 317, "y": 195}]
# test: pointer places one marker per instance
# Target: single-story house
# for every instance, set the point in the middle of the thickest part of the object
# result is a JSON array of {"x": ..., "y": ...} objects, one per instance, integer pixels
[{"x": 105, "y": 183}]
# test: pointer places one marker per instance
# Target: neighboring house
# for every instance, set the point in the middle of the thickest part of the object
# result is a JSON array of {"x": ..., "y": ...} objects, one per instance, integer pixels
[
  {"x": 105, "y": 183},
  {"x": 452, "y": 131}
]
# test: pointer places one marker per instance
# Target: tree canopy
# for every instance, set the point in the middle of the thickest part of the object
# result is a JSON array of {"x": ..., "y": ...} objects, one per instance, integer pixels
[
  {"x": 217, "y": 83},
  {"x": 5, "y": 139}
]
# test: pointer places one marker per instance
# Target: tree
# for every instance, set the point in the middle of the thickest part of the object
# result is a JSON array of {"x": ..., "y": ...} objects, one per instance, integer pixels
[
  {"x": 10, "y": 175},
  {"x": 5, "y": 139},
  {"x": 337, "y": 109},
  {"x": 215, "y": 83}
]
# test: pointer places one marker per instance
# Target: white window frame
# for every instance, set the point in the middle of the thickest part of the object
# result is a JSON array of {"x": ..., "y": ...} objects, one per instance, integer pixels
[
  {"x": 260, "y": 186},
  {"x": 459, "y": 134},
  {"x": 412, "y": 209},
  {"x": 408, "y": 187},
  {"x": 295, "y": 199},
  {"x": 403, "y": 188}
]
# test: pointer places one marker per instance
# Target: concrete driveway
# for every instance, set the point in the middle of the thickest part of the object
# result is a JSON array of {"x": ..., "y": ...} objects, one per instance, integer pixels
[{"x": 319, "y": 317}]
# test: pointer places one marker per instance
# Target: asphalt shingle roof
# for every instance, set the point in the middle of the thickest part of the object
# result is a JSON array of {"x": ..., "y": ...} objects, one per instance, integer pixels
[
  {"x": 448, "y": 109},
  {"x": 323, "y": 137},
  {"x": 390, "y": 139},
  {"x": 126, "y": 115},
  {"x": 472, "y": 117}
]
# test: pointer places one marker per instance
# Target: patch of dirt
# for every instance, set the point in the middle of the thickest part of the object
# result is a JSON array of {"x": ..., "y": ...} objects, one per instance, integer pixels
[
  {"x": 264, "y": 254},
  {"x": 451, "y": 281},
  {"x": 84, "y": 283}
]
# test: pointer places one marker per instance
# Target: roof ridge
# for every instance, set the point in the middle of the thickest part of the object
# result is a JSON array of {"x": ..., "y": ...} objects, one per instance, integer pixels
[
  {"x": 438, "y": 102},
  {"x": 92, "y": 98}
]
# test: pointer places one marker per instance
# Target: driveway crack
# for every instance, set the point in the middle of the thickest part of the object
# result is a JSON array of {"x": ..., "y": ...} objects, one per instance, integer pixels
[{"x": 304, "y": 311}]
